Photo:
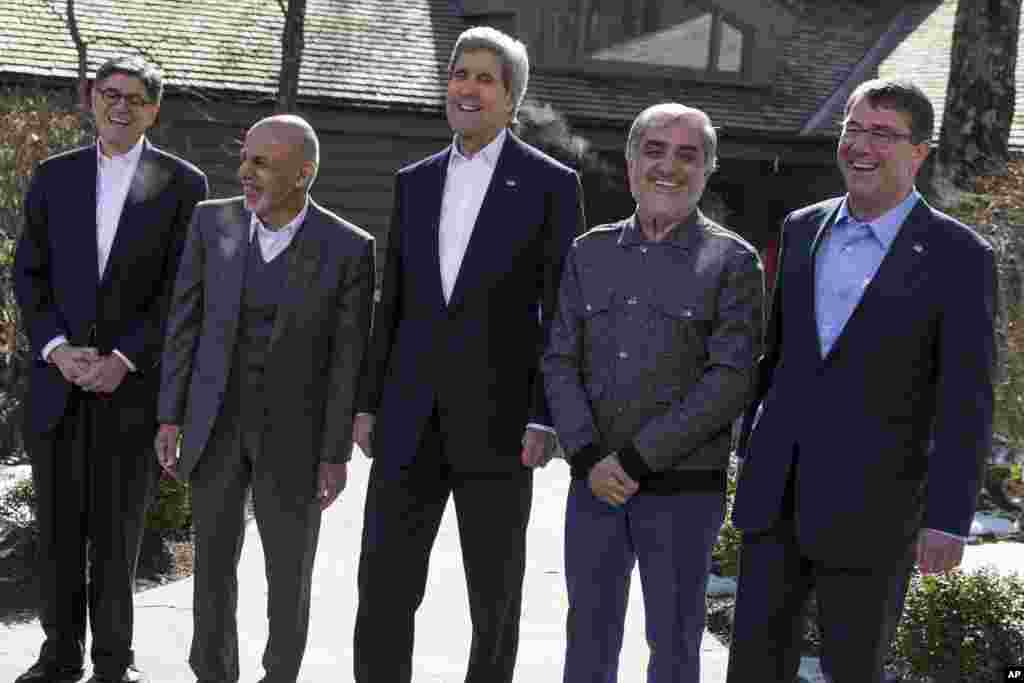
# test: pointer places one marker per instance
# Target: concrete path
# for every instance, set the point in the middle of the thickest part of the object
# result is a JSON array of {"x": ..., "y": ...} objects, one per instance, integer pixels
[{"x": 164, "y": 615}]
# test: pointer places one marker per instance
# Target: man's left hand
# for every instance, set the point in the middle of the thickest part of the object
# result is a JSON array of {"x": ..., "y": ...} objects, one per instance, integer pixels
[
  {"x": 538, "y": 447},
  {"x": 937, "y": 552},
  {"x": 330, "y": 482},
  {"x": 105, "y": 375}
]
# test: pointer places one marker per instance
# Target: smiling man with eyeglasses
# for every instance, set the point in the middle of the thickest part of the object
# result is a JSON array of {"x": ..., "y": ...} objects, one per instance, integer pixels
[
  {"x": 104, "y": 230},
  {"x": 873, "y": 413}
]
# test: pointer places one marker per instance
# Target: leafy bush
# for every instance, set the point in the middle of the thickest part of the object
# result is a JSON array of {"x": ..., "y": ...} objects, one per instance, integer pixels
[
  {"x": 726, "y": 552},
  {"x": 1009, "y": 391},
  {"x": 17, "y": 505},
  {"x": 961, "y": 626},
  {"x": 172, "y": 509}
]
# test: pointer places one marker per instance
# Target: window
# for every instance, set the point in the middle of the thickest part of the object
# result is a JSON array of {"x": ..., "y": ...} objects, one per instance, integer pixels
[{"x": 686, "y": 38}]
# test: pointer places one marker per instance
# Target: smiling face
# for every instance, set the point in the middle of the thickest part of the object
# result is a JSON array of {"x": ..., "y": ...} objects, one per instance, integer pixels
[
  {"x": 273, "y": 174},
  {"x": 120, "y": 125},
  {"x": 879, "y": 175},
  {"x": 479, "y": 104},
  {"x": 669, "y": 172}
]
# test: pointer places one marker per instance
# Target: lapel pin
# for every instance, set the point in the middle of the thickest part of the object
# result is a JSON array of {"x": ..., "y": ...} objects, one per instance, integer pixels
[
  {"x": 919, "y": 248},
  {"x": 510, "y": 182}
]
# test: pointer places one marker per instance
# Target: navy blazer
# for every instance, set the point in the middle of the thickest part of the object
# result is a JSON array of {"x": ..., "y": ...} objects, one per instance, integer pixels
[
  {"x": 477, "y": 356},
  {"x": 58, "y": 285},
  {"x": 892, "y": 427}
]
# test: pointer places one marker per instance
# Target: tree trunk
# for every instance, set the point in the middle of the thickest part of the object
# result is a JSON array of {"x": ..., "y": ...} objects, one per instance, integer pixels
[
  {"x": 981, "y": 92},
  {"x": 82, "y": 49},
  {"x": 292, "y": 44}
]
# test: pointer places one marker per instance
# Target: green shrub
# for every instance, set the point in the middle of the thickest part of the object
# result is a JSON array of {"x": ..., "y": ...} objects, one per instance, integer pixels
[
  {"x": 1009, "y": 391},
  {"x": 726, "y": 552},
  {"x": 961, "y": 626},
  {"x": 172, "y": 509},
  {"x": 17, "y": 505}
]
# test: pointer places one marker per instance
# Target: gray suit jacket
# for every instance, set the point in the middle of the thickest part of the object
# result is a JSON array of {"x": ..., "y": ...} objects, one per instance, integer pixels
[{"x": 314, "y": 353}]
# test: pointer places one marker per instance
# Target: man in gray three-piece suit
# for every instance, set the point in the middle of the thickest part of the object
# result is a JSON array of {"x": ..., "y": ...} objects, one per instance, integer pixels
[{"x": 268, "y": 325}]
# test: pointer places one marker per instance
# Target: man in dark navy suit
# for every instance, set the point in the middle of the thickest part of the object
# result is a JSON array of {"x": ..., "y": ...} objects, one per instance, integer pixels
[
  {"x": 104, "y": 229},
  {"x": 875, "y": 396},
  {"x": 452, "y": 393}
]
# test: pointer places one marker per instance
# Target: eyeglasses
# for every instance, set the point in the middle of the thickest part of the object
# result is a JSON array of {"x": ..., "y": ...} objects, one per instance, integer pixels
[
  {"x": 878, "y": 137},
  {"x": 112, "y": 96}
]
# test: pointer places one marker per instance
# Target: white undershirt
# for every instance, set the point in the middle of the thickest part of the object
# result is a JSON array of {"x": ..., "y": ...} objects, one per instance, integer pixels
[
  {"x": 464, "y": 188},
  {"x": 274, "y": 242}
]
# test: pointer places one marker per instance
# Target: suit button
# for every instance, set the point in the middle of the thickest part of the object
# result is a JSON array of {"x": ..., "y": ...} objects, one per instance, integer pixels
[{"x": 623, "y": 355}]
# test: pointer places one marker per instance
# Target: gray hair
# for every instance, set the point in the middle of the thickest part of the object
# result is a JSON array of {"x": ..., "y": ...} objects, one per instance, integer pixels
[
  {"x": 297, "y": 131},
  {"x": 515, "y": 64},
  {"x": 672, "y": 112},
  {"x": 151, "y": 78}
]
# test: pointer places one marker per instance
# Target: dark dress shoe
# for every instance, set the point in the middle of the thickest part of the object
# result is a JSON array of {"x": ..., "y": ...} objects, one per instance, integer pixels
[
  {"x": 48, "y": 672},
  {"x": 130, "y": 675}
]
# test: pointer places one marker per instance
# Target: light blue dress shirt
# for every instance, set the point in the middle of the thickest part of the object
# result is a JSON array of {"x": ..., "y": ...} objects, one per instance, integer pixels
[{"x": 848, "y": 258}]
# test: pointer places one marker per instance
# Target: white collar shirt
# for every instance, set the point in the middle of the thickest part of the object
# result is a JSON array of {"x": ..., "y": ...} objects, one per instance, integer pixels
[
  {"x": 464, "y": 189},
  {"x": 113, "y": 181},
  {"x": 274, "y": 242}
]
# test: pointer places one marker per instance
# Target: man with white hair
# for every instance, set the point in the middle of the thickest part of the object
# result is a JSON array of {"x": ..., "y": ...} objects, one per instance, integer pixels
[
  {"x": 266, "y": 334},
  {"x": 452, "y": 394},
  {"x": 651, "y": 358}
]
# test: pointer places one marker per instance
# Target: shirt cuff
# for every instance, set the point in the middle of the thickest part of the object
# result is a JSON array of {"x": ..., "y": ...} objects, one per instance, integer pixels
[
  {"x": 633, "y": 463},
  {"x": 963, "y": 539},
  {"x": 364, "y": 414},
  {"x": 543, "y": 428},
  {"x": 131, "y": 365},
  {"x": 51, "y": 345}
]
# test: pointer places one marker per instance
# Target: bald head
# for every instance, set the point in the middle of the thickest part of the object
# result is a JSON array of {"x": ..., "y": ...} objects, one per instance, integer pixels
[{"x": 295, "y": 132}]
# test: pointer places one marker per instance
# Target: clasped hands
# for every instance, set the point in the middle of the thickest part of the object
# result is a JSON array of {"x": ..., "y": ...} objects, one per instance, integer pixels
[
  {"x": 609, "y": 482},
  {"x": 84, "y": 367},
  {"x": 538, "y": 445}
]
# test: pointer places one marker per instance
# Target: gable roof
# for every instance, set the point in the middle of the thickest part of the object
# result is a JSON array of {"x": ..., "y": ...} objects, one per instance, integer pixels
[
  {"x": 925, "y": 56},
  {"x": 375, "y": 54}
]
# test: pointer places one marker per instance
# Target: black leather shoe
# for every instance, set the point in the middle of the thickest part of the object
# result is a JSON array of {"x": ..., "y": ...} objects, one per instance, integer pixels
[
  {"x": 48, "y": 672},
  {"x": 130, "y": 675}
]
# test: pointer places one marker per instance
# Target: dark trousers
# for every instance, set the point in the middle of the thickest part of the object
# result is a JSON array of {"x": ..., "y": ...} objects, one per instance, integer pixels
[
  {"x": 94, "y": 476},
  {"x": 671, "y": 536},
  {"x": 403, "y": 513},
  {"x": 289, "y": 525},
  {"x": 858, "y": 609}
]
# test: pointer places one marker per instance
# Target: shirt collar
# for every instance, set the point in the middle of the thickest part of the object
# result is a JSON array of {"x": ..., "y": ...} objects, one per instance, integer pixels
[
  {"x": 129, "y": 158},
  {"x": 886, "y": 226},
  {"x": 680, "y": 235},
  {"x": 289, "y": 229},
  {"x": 489, "y": 153}
]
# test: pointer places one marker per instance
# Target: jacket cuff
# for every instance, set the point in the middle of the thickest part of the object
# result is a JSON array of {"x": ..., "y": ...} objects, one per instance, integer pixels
[
  {"x": 636, "y": 468},
  {"x": 584, "y": 460}
]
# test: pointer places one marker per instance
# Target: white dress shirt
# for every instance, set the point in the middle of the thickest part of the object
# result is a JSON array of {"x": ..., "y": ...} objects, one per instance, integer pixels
[
  {"x": 113, "y": 180},
  {"x": 464, "y": 188},
  {"x": 274, "y": 242}
]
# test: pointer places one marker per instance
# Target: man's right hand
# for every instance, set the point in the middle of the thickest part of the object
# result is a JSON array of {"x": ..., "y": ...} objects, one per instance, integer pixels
[
  {"x": 73, "y": 361},
  {"x": 166, "y": 445},
  {"x": 362, "y": 432}
]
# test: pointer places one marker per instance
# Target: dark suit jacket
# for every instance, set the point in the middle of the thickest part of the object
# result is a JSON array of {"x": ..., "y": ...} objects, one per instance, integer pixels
[
  {"x": 314, "y": 352},
  {"x": 892, "y": 426},
  {"x": 59, "y": 288},
  {"x": 477, "y": 357}
]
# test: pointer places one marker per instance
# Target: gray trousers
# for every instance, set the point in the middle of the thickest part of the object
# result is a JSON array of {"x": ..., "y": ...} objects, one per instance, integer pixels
[{"x": 288, "y": 523}]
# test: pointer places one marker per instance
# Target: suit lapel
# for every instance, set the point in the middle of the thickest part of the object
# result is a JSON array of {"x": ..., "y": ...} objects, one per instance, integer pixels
[
  {"x": 303, "y": 264},
  {"x": 900, "y": 266},
  {"x": 132, "y": 212},
  {"x": 81, "y": 207},
  {"x": 819, "y": 236},
  {"x": 498, "y": 206}
]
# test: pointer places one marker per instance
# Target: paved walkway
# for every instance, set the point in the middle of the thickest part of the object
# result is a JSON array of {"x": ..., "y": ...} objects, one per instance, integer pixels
[{"x": 164, "y": 615}]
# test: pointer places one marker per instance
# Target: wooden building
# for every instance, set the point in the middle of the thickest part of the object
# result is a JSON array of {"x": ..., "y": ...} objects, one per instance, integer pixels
[{"x": 772, "y": 74}]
